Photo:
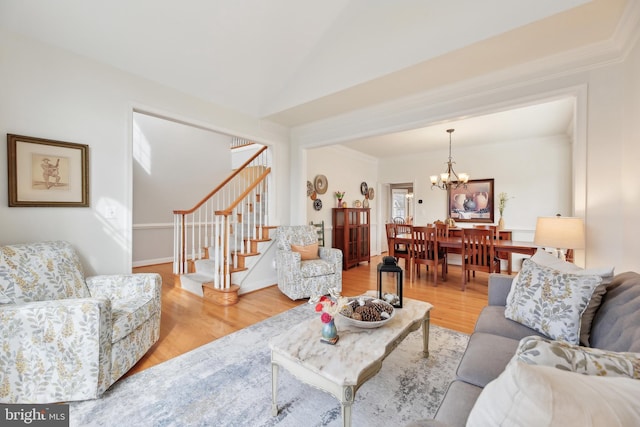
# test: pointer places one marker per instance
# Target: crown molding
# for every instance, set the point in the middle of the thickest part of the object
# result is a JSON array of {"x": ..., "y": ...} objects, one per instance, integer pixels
[{"x": 627, "y": 32}]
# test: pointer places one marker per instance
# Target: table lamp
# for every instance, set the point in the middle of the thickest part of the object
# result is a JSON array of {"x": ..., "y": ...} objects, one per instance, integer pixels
[{"x": 560, "y": 232}]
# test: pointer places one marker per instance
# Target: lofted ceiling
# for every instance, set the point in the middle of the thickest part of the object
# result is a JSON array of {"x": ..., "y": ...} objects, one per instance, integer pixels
[{"x": 295, "y": 62}]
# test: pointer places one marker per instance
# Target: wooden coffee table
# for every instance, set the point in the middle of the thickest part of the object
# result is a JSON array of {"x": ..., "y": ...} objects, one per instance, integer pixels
[{"x": 342, "y": 368}]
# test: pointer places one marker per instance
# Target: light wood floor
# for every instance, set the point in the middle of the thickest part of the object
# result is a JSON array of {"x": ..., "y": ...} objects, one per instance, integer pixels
[{"x": 189, "y": 321}]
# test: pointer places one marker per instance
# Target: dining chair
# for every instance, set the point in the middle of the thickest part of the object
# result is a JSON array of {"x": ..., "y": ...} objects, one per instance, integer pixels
[
  {"x": 391, "y": 234},
  {"x": 424, "y": 251},
  {"x": 398, "y": 220},
  {"x": 493, "y": 228},
  {"x": 442, "y": 230},
  {"x": 478, "y": 253},
  {"x": 401, "y": 248},
  {"x": 320, "y": 229},
  {"x": 502, "y": 255},
  {"x": 404, "y": 228}
]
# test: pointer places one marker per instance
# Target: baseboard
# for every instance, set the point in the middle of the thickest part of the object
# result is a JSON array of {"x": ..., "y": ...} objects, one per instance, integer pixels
[
  {"x": 254, "y": 286},
  {"x": 145, "y": 262}
]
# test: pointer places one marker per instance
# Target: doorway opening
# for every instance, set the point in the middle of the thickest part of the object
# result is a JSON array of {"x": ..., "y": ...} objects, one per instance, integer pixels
[{"x": 402, "y": 209}]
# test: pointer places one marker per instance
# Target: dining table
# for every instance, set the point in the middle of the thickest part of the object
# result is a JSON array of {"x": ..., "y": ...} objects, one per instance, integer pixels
[{"x": 455, "y": 243}]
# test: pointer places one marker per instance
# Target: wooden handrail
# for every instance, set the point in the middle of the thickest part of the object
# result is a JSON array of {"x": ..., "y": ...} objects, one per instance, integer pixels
[
  {"x": 222, "y": 184},
  {"x": 244, "y": 194}
]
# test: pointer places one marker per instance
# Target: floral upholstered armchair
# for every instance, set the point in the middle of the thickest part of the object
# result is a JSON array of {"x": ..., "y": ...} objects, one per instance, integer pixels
[
  {"x": 304, "y": 268},
  {"x": 64, "y": 337}
]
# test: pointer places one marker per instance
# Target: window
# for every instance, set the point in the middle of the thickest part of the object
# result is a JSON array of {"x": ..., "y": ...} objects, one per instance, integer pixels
[{"x": 401, "y": 201}]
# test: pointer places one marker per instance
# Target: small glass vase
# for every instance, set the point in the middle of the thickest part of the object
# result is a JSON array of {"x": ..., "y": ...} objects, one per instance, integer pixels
[{"x": 329, "y": 332}]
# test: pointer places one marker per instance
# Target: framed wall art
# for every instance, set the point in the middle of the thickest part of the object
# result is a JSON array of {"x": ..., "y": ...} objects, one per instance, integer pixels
[
  {"x": 472, "y": 204},
  {"x": 47, "y": 173}
]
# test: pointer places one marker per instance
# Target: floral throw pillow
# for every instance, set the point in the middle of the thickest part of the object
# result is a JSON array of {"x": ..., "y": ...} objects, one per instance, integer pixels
[
  {"x": 536, "y": 350},
  {"x": 550, "y": 301},
  {"x": 545, "y": 259}
]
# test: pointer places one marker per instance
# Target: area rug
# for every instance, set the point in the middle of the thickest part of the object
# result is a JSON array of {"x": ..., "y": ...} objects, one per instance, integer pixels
[{"x": 228, "y": 383}]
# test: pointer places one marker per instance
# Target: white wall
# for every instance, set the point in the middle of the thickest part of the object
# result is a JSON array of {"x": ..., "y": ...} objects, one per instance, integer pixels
[
  {"x": 536, "y": 174},
  {"x": 345, "y": 169},
  {"x": 174, "y": 166},
  {"x": 630, "y": 197},
  {"x": 613, "y": 202},
  {"x": 51, "y": 93}
]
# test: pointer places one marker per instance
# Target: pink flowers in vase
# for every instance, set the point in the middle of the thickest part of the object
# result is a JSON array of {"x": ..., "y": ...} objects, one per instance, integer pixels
[
  {"x": 323, "y": 306},
  {"x": 329, "y": 306}
]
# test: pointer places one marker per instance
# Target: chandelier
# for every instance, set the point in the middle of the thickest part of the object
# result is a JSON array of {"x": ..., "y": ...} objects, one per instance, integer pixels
[{"x": 449, "y": 179}]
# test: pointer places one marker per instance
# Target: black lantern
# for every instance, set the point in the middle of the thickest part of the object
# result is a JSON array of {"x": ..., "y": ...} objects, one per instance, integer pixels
[{"x": 390, "y": 265}]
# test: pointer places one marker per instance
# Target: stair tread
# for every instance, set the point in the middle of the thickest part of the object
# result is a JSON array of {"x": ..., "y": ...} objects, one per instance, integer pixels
[{"x": 247, "y": 254}]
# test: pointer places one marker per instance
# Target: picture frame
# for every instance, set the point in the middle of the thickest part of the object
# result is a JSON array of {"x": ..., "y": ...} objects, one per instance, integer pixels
[
  {"x": 47, "y": 173},
  {"x": 475, "y": 203}
]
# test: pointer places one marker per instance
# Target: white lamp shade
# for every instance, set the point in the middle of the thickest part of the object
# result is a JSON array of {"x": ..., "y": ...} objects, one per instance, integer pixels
[{"x": 560, "y": 232}]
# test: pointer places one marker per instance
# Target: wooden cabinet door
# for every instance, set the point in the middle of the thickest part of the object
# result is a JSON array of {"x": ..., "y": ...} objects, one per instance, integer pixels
[{"x": 351, "y": 234}]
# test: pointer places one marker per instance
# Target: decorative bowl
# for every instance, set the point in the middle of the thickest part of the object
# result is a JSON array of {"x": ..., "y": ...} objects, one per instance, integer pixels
[{"x": 355, "y": 301}]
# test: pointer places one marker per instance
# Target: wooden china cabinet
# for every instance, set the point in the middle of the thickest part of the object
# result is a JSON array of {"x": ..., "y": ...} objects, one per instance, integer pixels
[{"x": 352, "y": 235}]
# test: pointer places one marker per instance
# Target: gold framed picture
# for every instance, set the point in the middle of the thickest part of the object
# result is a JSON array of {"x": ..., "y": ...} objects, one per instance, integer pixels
[
  {"x": 47, "y": 173},
  {"x": 472, "y": 203}
]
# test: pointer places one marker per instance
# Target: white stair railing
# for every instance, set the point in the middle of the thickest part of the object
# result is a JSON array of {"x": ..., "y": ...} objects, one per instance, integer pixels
[
  {"x": 224, "y": 222},
  {"x": 240, "y": 142}
]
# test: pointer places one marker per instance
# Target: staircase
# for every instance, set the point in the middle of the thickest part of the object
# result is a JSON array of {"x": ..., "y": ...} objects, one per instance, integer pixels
[{"x": 222, "y": 238}]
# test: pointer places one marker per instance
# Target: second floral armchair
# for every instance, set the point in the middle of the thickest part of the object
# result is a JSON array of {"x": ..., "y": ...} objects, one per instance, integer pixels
[{"x": 304, "y": 268}]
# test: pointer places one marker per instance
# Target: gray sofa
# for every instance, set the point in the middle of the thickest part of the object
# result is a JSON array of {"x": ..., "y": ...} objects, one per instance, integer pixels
[{"x": 495, "y": 340}]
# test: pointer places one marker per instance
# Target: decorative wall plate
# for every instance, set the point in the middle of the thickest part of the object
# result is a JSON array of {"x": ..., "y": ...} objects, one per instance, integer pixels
[
  {"x": 371, "y": 193},
  {"x": 309, "y": 188},
  {"x": 314, "y": 196},
  {"x": 321, "y": 184},
  {"x": 364, "y": 188},
  {"x": 317, "y": 204}
]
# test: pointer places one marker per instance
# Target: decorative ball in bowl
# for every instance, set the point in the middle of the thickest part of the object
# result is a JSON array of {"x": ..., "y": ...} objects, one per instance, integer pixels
[{"x": 367, "y": 312}]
